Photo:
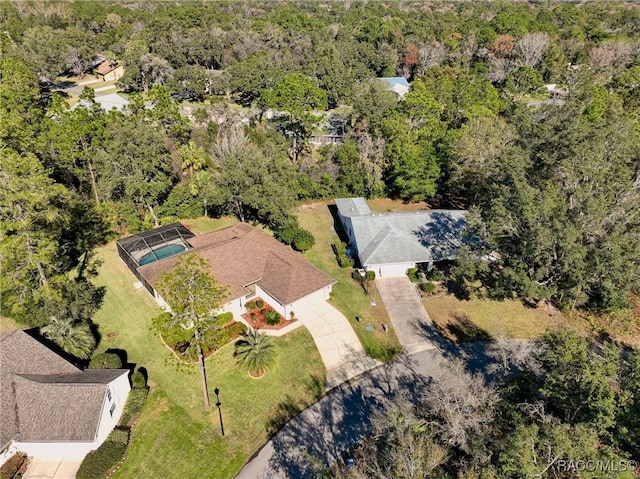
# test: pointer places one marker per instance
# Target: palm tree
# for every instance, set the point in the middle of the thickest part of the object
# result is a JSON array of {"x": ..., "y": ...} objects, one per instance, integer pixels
[
  {"x": 73, "y": 337},
  {"x": 255, "y": 352}
]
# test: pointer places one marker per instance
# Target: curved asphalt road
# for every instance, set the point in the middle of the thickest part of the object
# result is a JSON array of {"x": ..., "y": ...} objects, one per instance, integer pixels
[{"x": 334, "y": 424}]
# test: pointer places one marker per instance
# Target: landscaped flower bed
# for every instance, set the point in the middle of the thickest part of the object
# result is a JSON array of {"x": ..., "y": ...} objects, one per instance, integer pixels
[{"x": 261, "y": 315}]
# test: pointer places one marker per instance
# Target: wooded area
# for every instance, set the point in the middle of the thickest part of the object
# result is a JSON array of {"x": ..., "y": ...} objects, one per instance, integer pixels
[{"x": 551, "y": 173}]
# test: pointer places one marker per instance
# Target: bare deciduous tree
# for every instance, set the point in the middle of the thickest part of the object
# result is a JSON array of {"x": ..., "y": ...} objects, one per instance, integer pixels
[
  {"x": 430, "y": 55},
  {"x": 373, "y": 161},
  {"x": 616, "y": 54},
  {"x": 459, "y": 403},
  {"x": 401, "y": 446},
  {"x": 499, "y": 68},
  {"x": 531, "y": 47}
]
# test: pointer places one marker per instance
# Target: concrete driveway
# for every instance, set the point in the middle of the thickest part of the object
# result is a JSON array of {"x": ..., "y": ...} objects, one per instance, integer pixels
[
  {"x": 340, "y": 348},
  {"x": 40, "y": 468},
  {"x": 407, "y": 314}
]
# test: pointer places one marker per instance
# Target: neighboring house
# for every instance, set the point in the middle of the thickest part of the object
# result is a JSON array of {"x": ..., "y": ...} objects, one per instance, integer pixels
[
  {"x": 398, "y": 85},
  {"x": 391, "y": 243},
  {"x": 250, "y": 262},
  {"x": 108, "y": 71},
  {"x": 48, "y": 407}
]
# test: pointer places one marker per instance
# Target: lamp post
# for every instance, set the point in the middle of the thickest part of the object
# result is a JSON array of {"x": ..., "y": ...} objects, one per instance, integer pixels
[{"x": 218, "y": 404}]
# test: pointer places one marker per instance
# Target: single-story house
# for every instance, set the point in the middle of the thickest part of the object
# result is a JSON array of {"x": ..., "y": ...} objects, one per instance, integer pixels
[
  {"x": 398, "y": 85},
  {"x": 391, "y": 243},
  {"x": 49, "y": 408},
  {"x": 108, "y": 71},
  {"x": 247, "y": 260}
]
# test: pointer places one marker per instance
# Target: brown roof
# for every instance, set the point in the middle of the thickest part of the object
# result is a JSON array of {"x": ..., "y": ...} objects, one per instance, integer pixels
[
  {"x": 241, "y": 255},
  {"x": 45, "y": 398},
  {"x": 106, "y": 67}
]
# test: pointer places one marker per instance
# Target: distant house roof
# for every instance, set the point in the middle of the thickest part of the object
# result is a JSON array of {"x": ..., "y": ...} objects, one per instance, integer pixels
[
  {"x": 44, "y": 397},
  {"x": 394, "y": 81},
  {"x": 421, "y": 236},
  {"x": 106, "y": 67},
  {"x": 398, "y": 85},
  {"x": 242, "y": 255}
]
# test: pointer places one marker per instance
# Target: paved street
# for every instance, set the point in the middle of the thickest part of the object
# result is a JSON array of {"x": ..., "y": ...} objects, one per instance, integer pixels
[
  {"x": 332, "y": 425},
  {"x": 407, "y": 314}
]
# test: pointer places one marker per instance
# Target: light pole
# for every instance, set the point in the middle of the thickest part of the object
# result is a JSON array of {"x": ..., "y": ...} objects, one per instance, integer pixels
[{"x": 218, "y": 404}]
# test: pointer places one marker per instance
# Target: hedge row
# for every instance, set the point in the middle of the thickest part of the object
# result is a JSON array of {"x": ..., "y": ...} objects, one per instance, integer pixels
[
  {"x": 97, "y": 463},
  {"x": 135, "y": 403},
  {"x": 10, "y": 468}
]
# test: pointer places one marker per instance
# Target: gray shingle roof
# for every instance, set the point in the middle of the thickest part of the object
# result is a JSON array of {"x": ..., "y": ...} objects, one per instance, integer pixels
[
  {"x": 406, "y": 237},
  {"x": 350, "y": 207},
  {"x": 43, "y": 397}
]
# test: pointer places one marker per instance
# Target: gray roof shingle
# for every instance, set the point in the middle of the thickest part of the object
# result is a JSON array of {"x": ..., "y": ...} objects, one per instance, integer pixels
[{"x": 387, "y": 238}]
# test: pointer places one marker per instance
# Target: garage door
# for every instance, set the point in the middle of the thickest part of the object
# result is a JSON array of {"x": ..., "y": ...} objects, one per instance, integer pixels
[{"x": 390, "y": 270}]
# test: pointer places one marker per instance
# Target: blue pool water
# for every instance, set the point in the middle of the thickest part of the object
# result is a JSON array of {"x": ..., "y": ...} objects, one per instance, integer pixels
[{"x": 161, "y": 253}]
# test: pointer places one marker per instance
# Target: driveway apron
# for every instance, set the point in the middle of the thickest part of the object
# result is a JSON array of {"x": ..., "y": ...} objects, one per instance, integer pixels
[
  {"x": 340, "y": 348},
  {"x": 40, "y": 468}
]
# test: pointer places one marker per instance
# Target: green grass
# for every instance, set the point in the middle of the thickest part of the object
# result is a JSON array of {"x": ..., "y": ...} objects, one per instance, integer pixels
[
  {"x": 479, "y": 319},
  {"x": 205, "y": 225},
  {"x": 175, "y": 437},
  {"x": 347, "y": 295}
]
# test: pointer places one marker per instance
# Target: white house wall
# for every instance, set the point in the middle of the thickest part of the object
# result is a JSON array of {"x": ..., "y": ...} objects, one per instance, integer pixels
[
  {"x": 57, "y": 450},
  {"x": 119, "y": 388},
  {"x": 273, "y": 302}
]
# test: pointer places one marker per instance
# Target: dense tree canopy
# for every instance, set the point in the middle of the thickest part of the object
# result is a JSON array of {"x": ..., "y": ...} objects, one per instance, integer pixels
[{"x": 527, "y": 113}]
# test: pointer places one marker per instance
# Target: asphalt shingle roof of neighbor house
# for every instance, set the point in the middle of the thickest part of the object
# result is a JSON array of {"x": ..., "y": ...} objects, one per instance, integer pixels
[
  {"x": 241, "y": 255},
  {"x": 421, "y": 236},
  {"x": 43, "y": 397}
]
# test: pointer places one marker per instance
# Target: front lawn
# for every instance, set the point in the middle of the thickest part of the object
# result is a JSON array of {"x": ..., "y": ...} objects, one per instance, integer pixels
[
  {"x": 347, "y": 295},
  {"x": 478, "y": 319},
  {"x": 175, "y": 437}
]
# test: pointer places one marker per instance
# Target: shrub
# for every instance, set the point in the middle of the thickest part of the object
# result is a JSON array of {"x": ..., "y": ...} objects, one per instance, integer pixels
[
  {"x": 355, "y": 274},
  {"x": 303, "y": 240},
  {"x": 428, "y": 287},
  {"x": 435, "y": 275},
  {"x": 134, "y": 405},
  {"x": 224, "y": 318},
  {"x": 105, "y": 361},
  {"x": 97, "y": 463},
  {"x": 287, "y": 233},
  {"x": 259, "y": 303},
  {"x": 339, "y": 248},
  {"x": 138, "y": 381},
  {"x": 250, "y": 305},
  {"x": 10, "y": 468},
  {"x": 370, "y": 275},
  {"x": 272, "y": 318},
  {"x": 413, "y": 274},
  {"x": 293, "y": 315},
  {"x": 235, "y": 330}
]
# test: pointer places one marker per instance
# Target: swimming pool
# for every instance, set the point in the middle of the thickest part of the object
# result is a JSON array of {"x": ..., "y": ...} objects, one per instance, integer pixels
[{"x": 161, "y": 253}]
